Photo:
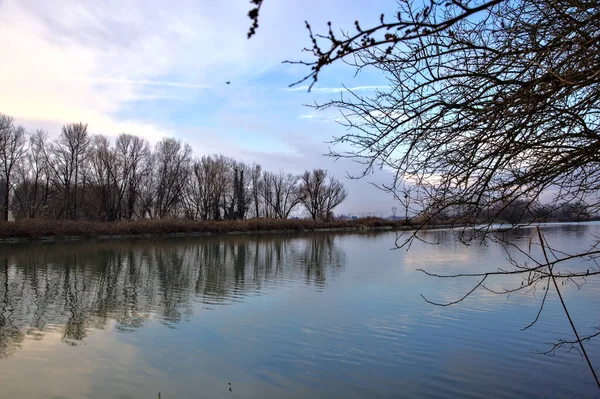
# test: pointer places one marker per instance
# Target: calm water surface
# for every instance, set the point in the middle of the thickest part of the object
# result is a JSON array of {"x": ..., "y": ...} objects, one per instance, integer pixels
[{"x": 332, "y": 316}]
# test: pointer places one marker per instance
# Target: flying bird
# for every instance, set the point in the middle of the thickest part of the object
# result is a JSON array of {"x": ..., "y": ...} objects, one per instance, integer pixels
[{"x": 228, "y": 82}]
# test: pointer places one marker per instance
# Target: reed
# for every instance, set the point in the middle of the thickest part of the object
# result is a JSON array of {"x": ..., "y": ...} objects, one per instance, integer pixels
[{"x": 39, "y": 228}]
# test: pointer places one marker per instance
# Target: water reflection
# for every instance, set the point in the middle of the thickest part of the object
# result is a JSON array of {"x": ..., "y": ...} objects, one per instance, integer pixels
[
  {"x": 77, "y": 287},
  {"x": 336, "y": 316}
]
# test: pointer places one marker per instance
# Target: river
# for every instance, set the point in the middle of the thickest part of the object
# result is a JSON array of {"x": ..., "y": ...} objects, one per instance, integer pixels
[{"x": 287, "y": 316}]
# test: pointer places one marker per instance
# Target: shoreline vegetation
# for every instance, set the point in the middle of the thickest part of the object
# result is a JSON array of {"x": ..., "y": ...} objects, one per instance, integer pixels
[
  {"x": 49, "y": 230},
  {"x": 64, "y": 230}
]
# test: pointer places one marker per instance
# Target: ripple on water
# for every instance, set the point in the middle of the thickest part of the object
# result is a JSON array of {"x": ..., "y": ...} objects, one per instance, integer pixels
[{"x": 311, "y": 316}]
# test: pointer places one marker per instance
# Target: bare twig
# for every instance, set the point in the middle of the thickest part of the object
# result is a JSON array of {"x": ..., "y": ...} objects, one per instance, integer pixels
[{"x": 579, "y": 341}]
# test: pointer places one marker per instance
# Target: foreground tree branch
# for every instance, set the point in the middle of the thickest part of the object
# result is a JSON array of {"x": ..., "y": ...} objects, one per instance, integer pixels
[
  {"x": 409, "y": 23},
  {"x": 491, "y": 116},
  {"x": 544, "y": 273}
]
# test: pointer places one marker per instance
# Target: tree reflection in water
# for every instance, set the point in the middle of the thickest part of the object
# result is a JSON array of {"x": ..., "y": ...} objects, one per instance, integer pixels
[{"x": 77, "y": 287}]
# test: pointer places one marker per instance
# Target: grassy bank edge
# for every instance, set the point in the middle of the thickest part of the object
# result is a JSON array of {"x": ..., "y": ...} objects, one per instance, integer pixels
[{"x": 53, "y": 230}]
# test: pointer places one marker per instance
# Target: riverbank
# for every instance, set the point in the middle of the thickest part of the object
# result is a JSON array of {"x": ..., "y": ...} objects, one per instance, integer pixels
[{"x": 50, "y": 230}]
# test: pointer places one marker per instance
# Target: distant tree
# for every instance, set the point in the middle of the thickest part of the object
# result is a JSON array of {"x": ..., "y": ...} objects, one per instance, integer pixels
[
  {"x": 287, "y": 193},
  {"x": 266, "y": 194},
  {"x": 34, "y": 189},
  {"x": 334, "y": 195},
  {"x": 320, "y": 193},
  {"x": 84, "y": 176},
  {"x": 148, "y": 188},
  {"x": 255, "y": 174},
  {"x": 173, "y": 160},
  {"x": 193, "y": 199},
  {"x": 241, "y": 192},
  {"x": 231, "y": 212},
  {"x": 69, "y": 155},
  {"x": 312, "y": 185},
  {"x": 12, "y": 149},
  {"x": 208, "y": 184},
  {"x": 571, "y": 211},
  {"x": 204, "y": 174},
  {"x": 105, "y": 179},
  {"x": 516, "y": 211},
  {"x": 280, "y": 193},
  {"x": 132, "y": 153},
  {"x": 217, "y": 169}
]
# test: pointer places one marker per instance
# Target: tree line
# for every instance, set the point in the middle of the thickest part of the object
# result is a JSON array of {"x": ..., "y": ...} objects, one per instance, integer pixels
[
  {"x": 83, "y": 176},
  {"x": 522, "y": 211}
]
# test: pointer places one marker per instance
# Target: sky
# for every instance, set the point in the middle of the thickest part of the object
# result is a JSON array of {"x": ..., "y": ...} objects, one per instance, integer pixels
[{"x": 158, "y": 68}]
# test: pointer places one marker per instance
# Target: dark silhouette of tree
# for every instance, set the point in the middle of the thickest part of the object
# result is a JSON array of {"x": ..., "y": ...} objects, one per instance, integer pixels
[
  {"x": 489, "y": 102},
  {"x": 173, "y": 165},
  {"x": 311, "y": 192},
  {"x": 320, "y": 193},
  {"x": 69, "y": 153},
  {"x": 240, "y": 192},
  {"x": 105, "y": 180},
  {"x": 255, "y": 174},
  {"x": 412, "y": 22},
  {"x": 485, "y": 112},
  {"x": 194, "y": 200},
  {"x": 132, "y": 153},
  {"x": 12, "y": 149},
  {"x": 34, "y": 189},
  {"x": 491, "y": 106},
  {"x": 93, "y": 177},
  {"x": 281, "y": 193}
]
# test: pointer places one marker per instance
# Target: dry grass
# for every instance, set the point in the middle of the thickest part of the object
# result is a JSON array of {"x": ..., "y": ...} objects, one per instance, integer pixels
[{"x": 62, "y": 228}]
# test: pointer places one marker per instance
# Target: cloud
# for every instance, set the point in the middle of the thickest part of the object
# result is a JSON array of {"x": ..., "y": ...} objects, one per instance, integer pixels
[
  {"x": 158, "y": 68},
  {"x": 73, "y": 60},
  {"x": 331, "y": 90},
  {"x": 152, "y": 83}
]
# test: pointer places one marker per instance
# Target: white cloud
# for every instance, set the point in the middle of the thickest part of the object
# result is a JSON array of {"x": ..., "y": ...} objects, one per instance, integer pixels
[
  {"x": 94, "y": 61},
  {"x": 72, "y": 60},
  {"x": 330, "y": 90}
]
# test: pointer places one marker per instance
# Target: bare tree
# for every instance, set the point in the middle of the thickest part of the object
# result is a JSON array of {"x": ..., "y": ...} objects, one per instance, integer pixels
[
  {"x": 489, "y": 102},
  {"x": 281, "y": 193},
  {"x": 132, "y": 152},
  {"x": 412, "y": 22},
  {"x": 105, "y": 179},
  {"x": 34, "y": 189},
  {"x": 70, "y": 152},
  {"x": 242, "y": 195},
  {"x": 221, "y": 185},
  {"x": 148, "y": 188},
  {"x": 491, "y": 105},
  {"x": 173, "y": 160},
  {"x": 320, "y": 194},
  {"x": 193, "y": 203},
  {"x": 213, "y": 173},
  {"x": 266, "y": 194},
  {"x": 204, "y": 172},
  {"x": 311, "y": 192},
  {"x": 12, "y": 149},
  {"x": 83, "y": 176},
  {"x": 333, "y": 195},
  {"x": 216, "y": 189},
  {"x": 255, "y": 174}
]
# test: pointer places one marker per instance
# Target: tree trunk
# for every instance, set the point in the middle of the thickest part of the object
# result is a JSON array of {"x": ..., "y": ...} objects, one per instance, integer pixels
[{"x": 6, "y": 197}]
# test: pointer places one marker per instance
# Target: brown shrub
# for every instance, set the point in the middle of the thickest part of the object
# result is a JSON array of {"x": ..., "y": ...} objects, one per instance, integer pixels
[{"x": 38, "y": 228}]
